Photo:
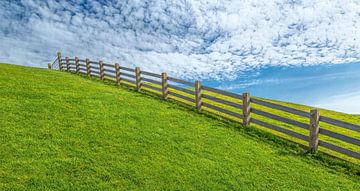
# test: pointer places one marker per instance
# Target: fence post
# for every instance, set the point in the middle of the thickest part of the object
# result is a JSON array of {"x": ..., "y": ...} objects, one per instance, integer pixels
[
  {"x": 137, "y": 78},
  {"x": 101, "y": 70},
  {"x": 246, "y": 109},
  {"x": 49, "y": 66},
  {"x": 164, "y": 85},
  {"x": 117, "y": 71},
  {"x": 198, "y": 95},
  {"x": 77, "y": 64},
  {"x": 67, "y": 64},
  {"x": 59, "y": 59},
  {"x": 88, "y": 67},
  {"x": 314, "y": 130}
]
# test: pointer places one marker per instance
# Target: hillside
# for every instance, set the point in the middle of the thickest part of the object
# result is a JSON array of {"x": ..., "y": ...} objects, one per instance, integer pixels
[{"x": 64, "y": 131}]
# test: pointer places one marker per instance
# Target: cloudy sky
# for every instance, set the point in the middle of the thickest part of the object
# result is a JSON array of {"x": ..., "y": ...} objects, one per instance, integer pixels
[{"x": 238, "y": 45}]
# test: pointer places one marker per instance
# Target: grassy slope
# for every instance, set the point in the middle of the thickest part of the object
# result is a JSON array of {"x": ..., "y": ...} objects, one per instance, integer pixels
[{"x": 61, "y": 131}]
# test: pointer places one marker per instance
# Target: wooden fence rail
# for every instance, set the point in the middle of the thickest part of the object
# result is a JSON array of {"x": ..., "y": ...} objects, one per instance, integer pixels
[{"x": 221, "y": 102}]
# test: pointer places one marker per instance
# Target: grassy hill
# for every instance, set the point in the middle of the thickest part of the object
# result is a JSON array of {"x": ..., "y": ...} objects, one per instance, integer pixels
[{"x": 63, "y": 131}]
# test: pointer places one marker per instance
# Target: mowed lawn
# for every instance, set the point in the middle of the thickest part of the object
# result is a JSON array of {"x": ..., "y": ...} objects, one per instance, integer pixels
[{"x": 63, "y": 131}]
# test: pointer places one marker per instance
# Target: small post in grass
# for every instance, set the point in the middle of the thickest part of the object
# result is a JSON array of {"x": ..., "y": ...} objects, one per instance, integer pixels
[
  {"x": 314, "y": 130},
  {"x": 101, "y": 70},
  {"x": 164, "y": 85},
  {"x": 77, "y": 64},
  {"x": 137, "y": 78},
  {"x": 117, "y": 71},
  {"x": 49, "y": 66},
  {"x": 87, "y": 61},
  {"x": 246, "y": 109},
  {"x": 67, "y": 64},
  {"x": 198, "y": 95},
  {"x": 59, "y": 60}
]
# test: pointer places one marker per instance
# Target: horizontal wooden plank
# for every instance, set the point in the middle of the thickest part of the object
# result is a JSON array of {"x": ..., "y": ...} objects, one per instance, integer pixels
[
  {"x": 95, "y": 67},
  {"x": 151, "y": 87},
  {"x": 279, "y": 118},
  {"x": 225, "y": 102},
  {"x": 80, "y": 60},
  {"x": 181, "y": 81},
  {"x": 339, "y": 123},
  {"x": 71, "y": 59},
  {"x": 126, "y": 74},
  {"x": 222, "y": 110},
  {"x": 339, "y": 136},
  {"x": 182, "y": 96},
  {"x": 280, "y": 107},
  {"x": 110, "y": 75},
  {"x": 127, "y": 69},
  {"x": 128, "y": 80},
  {"x": 84, "y": 65},
  {"x": 94, "y": 71},
  {"x": 192, "y": 92},
  {"x": 280, "y": 129},
  {"x": 93, "y": 62},
  {"x": 150, "y": 74},
  {"x": 151, "y": 81},
  {"x": 222, "y": 92},
  {"x": 108, "y": 70},
  {"x": 83, "y": 71},
  {"x": 109, "y": 65},
  {"x": 339, "y": 149}
]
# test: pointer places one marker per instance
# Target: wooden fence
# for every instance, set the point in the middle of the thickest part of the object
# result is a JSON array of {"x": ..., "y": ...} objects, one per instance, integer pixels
[{"x": 241, "y": 108}]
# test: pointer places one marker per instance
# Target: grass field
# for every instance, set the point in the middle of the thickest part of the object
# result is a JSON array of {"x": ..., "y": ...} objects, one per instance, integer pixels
[{"x": 63, "y": 131}]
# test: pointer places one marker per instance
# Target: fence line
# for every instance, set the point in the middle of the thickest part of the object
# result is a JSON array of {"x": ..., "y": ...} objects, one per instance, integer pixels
[{"x": 199, "y": 97}]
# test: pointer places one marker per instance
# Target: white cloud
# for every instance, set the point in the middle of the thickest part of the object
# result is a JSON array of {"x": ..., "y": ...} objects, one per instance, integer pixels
[
  {"x": 347, "y": 103},
  {"x": 205, "y": 38}
]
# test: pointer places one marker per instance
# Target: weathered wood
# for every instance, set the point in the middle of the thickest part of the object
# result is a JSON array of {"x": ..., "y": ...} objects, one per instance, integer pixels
[
  {"x": 339, "y": 123},
  {"x": 108, "y": 65},
  {"x": 279, "y": 107},
  {"x": 246, "y": 108},
  {"x": 49, "y": 66},
  {"x": 151, "y": 74},
  {"x": 339, "y": 149},
  {"x": 67, "y": 64},
  {"x": 198, "y": 95},
  {"x": 339, "y": 136},
  {"x": 87, "y": 67},
  {"x": 59, "y": 60},
  {"x": 151, "y": 87},
  {"x": 101, "y": 70},
  {"x": 180, "y": 81},
  {"x": 314, "y": 130},
  {"x": 192, "y": 92},
  {"x": 222, "y": 92},
  {"x": 182, "y": 96},
  {"x": 280, "y": 118},
  {"x": 282, "y": 130},
  {"x": 137, "y": 78},
  {"x": 222, "y": 101},
  {"x": 127, "y": 69},
  {"x": 152, "y": 81},
  {"x": 77, "y": 64},
  {"x": 222, "y": 110},
  {"x": 117, "y": 71},
  {"x": 127, "y": 75},
  {"x": 164, "y": 85}
]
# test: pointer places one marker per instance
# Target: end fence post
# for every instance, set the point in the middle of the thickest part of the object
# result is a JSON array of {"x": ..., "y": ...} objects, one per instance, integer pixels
[
  {"x": 67, "y": 64},
  {"x": 164, "y": 85},
  {"x": 101, "y": 70},
  {"x": 137, "y": 78},
  {"x": 198, "y": 95},
  {"x": 77, "y": 64},
  {"x": 246, "y": 109},
  {"x": 117, "y": 71},
  {"x": 49, "y": 66},
  {"x": 59, "y": 60},
  {"x": 314, "y": 130},
  {"x": 88, "y": 67}
]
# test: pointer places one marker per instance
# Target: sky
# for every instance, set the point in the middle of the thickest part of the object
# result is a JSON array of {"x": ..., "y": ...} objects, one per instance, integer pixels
[{"x": 281, "y": 49}]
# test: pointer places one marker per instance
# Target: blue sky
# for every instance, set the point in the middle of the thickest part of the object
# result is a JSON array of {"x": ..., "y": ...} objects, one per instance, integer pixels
[{"x": 280, "y": 49}]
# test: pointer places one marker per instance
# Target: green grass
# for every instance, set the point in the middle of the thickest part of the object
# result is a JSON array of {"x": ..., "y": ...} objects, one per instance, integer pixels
[{"x": 63, "y": 131}]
